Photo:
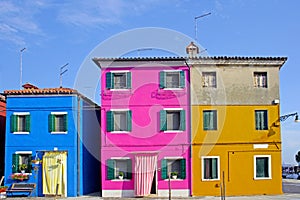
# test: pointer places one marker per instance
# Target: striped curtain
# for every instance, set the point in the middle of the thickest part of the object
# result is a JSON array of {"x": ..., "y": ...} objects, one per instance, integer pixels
[{"x": 145, "y": 166}]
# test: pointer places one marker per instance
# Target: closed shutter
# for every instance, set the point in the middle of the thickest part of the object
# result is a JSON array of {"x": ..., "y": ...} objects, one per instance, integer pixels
[
  {"x": 214, "y": 167},
  {"x": 162, "y": 79},
  {"x": 65, "y": 123},
  {"x": 129, "y": 169},
  {"x": 163, "y": 120},
  {"x": 29, "y": 168},
  {"x": 27, "y": 123},
  {"x": 13, "y": 123},
  {"x": 182, "y": 80},
  {"x": 164, "y": 169},
  {"x": 110, "y": 169},
  {"x": 128, "y": 80},
  {"x": 182, "y": 168},
  {"x": 206, "y": 120},
  {"x": 182, "y": 120},
  {"x": 109, "y": 121},
  {"x": 109, "y": 80},
  {"x": 129, "y": 120},
  {"x": 15, "y": 163},
  {"x": 51, "y": 123}
]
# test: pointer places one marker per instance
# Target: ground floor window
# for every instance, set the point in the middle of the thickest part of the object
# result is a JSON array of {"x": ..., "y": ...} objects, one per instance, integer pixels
[
  {"x": 21, "y": 162},
  {"x": 262, "y": 167},
  {"x": 210, "y": 168},
  {"x": 119, "y": 168},
  {"x": 175, "y": 167}
]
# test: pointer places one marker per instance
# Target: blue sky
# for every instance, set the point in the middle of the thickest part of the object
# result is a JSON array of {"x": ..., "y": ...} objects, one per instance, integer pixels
[{"x": 57, "y": 32}]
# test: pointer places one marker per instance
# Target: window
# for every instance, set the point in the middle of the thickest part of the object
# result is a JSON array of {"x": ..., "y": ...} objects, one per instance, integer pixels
[
  {"x": 209, "y": 79},
  {"x": 171, "y": 79},
  {"x": 261, "y": 120},
  {"x": 209, "y": 120},
  {"x": 119, "y": 120},
  {"x": 118, "y": 80},
  {"x": 58, "y": 122},
  {"x": 262, "y": 167},
  {"x": 21, "y": 161},
  {"x": 260, "y": 79},
  {"x": 210, "y": 168},
  {"x": 169, "y": 165},
  {"x": 172, "y": 120},
  {"x": 117, "y": 167},
  {"x": 20, "y": 122}
]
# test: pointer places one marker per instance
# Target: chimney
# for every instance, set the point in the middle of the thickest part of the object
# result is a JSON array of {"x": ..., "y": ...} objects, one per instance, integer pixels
[
  {"x": 28, "y": 86},
  {"x": 192, "y": 50}
]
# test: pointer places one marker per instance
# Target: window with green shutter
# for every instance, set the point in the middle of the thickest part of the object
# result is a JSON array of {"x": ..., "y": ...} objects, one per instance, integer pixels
[
  {"x": 172, "y": 166},
  {"x": 58, "y": 122},
  {"x": 21, "y": 159},
  {"x": 261, "y": 119},
  {"x": 210, "y": 120},
  {"x": 172, "y": 120},
  {"x": 119, "y": 120},
  {"x": 210, "y": 168},
  {"x": 118, "y": 80},
  {"x": 20, "y": 122},
  {"x": 172, "y": 79},
  {"x": 119, "y": 167}
]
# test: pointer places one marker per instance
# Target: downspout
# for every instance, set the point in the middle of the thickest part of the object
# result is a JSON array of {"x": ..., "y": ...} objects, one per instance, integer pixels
[{"x": 78, "y": 145}]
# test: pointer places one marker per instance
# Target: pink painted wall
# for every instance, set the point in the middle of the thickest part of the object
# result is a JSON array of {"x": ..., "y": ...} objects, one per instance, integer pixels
[{"x": 145, "y": 99}]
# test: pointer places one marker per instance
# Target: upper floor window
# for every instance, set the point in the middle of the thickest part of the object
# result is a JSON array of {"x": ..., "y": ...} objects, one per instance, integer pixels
[
  {"x": 261, "y": 120},
  {"x": 173, "y": 167},
  {"x": 209, "y": 79},
  {"x": 58, "y": 122},
  {"x": 260, "y": 79},
  {"x": 262, "y": 167},
  {"x": 118, "y": 80},
  {"x": 210, "y": 168},
  {"x": 172, "y": 120},
  {"x": 21, "y": 162},
  {"x": 20, "y": 122},
  {"x": 209, "y": 120},
  {"x": 171, "y": 79},
  {"x": 119, "y": 168},
  {"x": 119, "y": 120}
]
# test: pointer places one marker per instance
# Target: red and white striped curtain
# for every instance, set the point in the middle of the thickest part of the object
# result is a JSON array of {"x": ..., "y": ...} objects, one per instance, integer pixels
[{"x": 145, "y": 166}]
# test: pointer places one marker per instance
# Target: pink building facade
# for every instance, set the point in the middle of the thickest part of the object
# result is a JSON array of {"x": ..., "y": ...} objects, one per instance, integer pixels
[{"x": 145, "y": 127}]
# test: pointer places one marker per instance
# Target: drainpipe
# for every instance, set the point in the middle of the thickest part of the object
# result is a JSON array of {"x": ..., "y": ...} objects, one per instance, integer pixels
[{"x": 78, "y": 145}]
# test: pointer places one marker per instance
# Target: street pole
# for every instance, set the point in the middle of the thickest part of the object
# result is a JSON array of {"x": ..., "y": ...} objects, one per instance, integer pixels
[
  {"x": 169, "y": 182},
  {"x": 196, "y": 23},
  {"x": 21, "y": 67}
]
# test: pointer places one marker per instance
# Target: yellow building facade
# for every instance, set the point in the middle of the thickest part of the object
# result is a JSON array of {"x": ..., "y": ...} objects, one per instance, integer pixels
[{"x": 235, "y": 130}]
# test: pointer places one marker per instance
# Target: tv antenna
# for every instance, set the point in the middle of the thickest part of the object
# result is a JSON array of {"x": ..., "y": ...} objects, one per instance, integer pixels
[{"x": 61, "y": 72}]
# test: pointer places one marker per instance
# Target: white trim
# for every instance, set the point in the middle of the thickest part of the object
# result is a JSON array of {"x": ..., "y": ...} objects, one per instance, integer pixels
[
  {"x": 174, "y": 158},
  {"x": 173, "y": 131},
  {"x": 23, "y": 152},
  {"x": 260, "y": 146},
  {"x": 175, "y": 193},
  {"x": 119, "y": 110},
  {"x": 120, "y": 158},
  {"x": 117, "y": 193},
  {"x": 202, "y": 168},
  {"x": 174, "y": 70},
  {"x": 21, "y": 133},
  {"x": 21, "y": 113},
  {"x": 123, "y": 89},
  {"x": 55, "y": 132},
  {"x": 173, "y": 88},
  {"x": 173, "y": 109},
  {"x": 269, "y": 167},
  {"x": 121, "y": 71},
  {"x": 119, "y": 132},
  {"x": 59, "y": 113}
]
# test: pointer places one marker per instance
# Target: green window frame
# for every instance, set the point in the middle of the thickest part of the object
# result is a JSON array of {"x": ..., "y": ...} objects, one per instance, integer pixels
[
  {"x": 166, "y": 79},
  {"x": 113, "y": 170},
  {"x": 19, "y": 159},
  {"x": 118, "y": 80},
  {"x": 261, "y": 119},
  {"x": 169, "y": 165},
  {"x": 169, "y": 123},
  {"x": 20, "y": 123},
  {"x": 119, "y": 121},
  {"x": 58, "y": 122},
  {"x": 210, "y": 120},
  {"x": 262, "y": 167},
  {"x": 210, "y": 168}
]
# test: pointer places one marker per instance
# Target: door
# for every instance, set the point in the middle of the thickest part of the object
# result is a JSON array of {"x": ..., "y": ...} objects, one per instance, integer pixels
[{"x": 55, "y": 173}]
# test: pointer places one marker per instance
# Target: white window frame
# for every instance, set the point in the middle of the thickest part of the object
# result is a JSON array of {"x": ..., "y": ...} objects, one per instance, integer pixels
[
  {"x": 24, "y": 153},
  {"x": 119, "y": 110},
  {"x": 178, "y": 158},
  {"x": 120, "y": 72},
  {"x": 59, "y": 113},
  {"x": 172, "y": 71},
  {"x": 202, "y": 168},
  {"x": 269, "y": 167},
  {"x": 21, "y": 114},
  {"x": 174, "y": 109},
  {"x": 116, "y": 159}
]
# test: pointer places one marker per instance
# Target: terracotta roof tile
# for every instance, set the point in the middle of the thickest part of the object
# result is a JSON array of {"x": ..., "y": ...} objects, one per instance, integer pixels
[{"x": 43, "y": 91}]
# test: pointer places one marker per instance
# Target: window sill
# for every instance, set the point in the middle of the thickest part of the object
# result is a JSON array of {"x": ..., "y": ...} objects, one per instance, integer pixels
[
  {"x": 24, "y": 133},
  {"x": 178, "y": 179},
  {"x": 120, "y": 180},
  {"x": 119, "y": 132},
  {"x": 121, "y": 90},
  {"x": 175, "y": 131},
  {"x": 19, "y": 173},
  {"x": 173, "y": 88},
  {"x": 210, "y": 180},
  {"x": 59, "y": 133},
  {"x": 263, "y": 178}
]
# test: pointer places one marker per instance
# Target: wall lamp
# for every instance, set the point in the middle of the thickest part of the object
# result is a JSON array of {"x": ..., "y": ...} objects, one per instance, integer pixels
[{"x": 284, "y": 117}]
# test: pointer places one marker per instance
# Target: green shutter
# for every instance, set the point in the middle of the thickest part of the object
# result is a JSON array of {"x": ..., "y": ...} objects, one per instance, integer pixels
[
  {"x": 182, "y": 120},
  {"x": 214, "y": 168},
  {"x": 15, "y": 163},
  {"x": 51, "y": 123},
  {"x": 182, "y": 168},
  {"x": 182, "y": 80},
  {"x": 129, "y": 168},
  {"x": 163, "y": 120},
  {"x": 29, "y": 166},
  {"x": 162, "y": 79},
  {"x": 265, "y": 118},
  {"x": 27, "y": 123},
  {"x": 257, "y": 120},
  {"x": 164, "y": 169},
  {"x": 205, "y": 120},
  {"x": 214, "y": 120},
  {"x": 110, "y": 164},
  {"x": 13, "y": 123},
  {"x": 128, "y": 80},
  {"x": 129, "y": 120},
  {"x": 109, "y": 121},
  {"x": 65, "y": 123},
  {"x": 109, "y": 80}
]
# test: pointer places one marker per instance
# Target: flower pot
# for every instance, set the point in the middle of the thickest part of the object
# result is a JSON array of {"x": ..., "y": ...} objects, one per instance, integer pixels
[
  {"x": 121, "y": 177},
  {"x": 174, "y": 177},
  {"x": 22, "y": 171}
]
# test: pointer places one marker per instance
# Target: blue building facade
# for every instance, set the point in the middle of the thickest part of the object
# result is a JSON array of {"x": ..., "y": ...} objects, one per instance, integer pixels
[{"x": 53, "y": 140}]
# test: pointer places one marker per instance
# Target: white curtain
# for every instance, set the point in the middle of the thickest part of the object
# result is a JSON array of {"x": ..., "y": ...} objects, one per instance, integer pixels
[{"x": 145, "y": 166}]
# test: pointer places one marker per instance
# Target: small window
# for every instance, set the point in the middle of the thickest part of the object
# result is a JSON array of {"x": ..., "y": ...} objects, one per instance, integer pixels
[
  {"x": 58, "y": 122},
  {"x": 171, "y": 79},
  {"x": 20, "y": 122},
  {"x": 119, "y": 121},
  {"x": 119, "y": 169},
  {"x": 172, "y": 120},
  {"x": 261, "y": 120},
  {"x": 210, "y": 168},
  {"x": 173, "y": 166},
  {"x": 260, "y": 79},
  {"x": 262, "y": 167},
  {"x": 209, "y": 79},
  {"x": 118, "y": 80},
  {"x": 209, "y": 120},
  {"x": 21, "y": 163}
]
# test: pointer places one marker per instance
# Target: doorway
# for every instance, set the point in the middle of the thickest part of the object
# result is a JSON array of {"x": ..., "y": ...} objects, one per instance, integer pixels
[{"x": 154, "y": 184}]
